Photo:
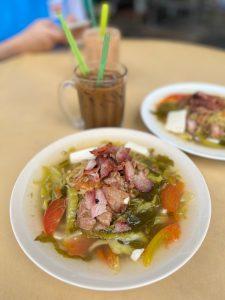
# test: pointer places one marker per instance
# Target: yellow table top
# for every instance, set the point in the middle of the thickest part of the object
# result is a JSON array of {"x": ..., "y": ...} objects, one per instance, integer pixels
[{"x": 31, "y": 119}]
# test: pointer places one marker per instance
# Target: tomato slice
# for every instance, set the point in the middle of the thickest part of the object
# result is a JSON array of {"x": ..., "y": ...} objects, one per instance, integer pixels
[
  {"x": 171, "y": 196},
  {"x": 78, "y": 246},
  {"x": 172, "y": 233},
  {"x": 165, "y": 236},
  {"x": 173, "y": 98},
  {"x": 105, "y": 254},
  {"x": 53, "y": 215}
]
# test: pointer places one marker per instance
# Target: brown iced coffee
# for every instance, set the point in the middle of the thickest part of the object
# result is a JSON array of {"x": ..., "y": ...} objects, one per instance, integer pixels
[{"x": 102, "y": 103}]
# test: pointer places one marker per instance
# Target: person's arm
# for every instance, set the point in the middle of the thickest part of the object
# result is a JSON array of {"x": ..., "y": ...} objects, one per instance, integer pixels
[
  {"x": 42, "y": 35},
  {"x": 10, "y": 48}
]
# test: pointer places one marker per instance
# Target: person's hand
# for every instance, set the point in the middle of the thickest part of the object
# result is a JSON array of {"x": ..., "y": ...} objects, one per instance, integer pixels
[
  {"x": 42, "y": 35},
  {"x": 78, "y": 32}
]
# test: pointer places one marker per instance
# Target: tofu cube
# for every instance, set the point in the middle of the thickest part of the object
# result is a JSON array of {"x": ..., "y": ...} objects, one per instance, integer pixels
[
  {"x": 81, "y": 155},
  {"x": 176, "y": 121},
  {"x": 136, "y": 254},
  {"x": 137, "y": 148}
]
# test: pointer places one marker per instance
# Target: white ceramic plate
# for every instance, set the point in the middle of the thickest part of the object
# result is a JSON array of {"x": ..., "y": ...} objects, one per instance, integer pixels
[
  {"x": 158, "y": 128},
  {"x": 26, "y": 218}
]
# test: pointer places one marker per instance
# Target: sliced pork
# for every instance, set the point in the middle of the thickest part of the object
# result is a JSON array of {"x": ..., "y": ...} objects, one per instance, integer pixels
[
  {"x": 99, "y": 206},
  {"x": 89, "y": 199},
  {"x": 209, "y": 102},
  {"x": 116, "y": 175},
  {"x": 121, "y": 226},
  {"x": 105, "y": 150},
  {"x": 106, "y": 166},
  {"x": 92, "y": 206},
  {"x": 129, "y": 171},
  {"x": 84, "y": 218},
  {"x": 142, "y": 183},
  {"x": 123, "y": 154},
  {"x": 191, "y": 126},
  {"x": 105, "y": 218},
  {"x": 216, "y": 131},
  {"x": 90, "y": 165},
  {"x": 116, "y": 180},
  {"x": 115, "y": 198}
]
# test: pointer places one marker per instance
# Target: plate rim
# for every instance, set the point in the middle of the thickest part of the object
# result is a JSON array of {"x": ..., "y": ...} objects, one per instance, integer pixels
[{"x": 98, "y": 288}]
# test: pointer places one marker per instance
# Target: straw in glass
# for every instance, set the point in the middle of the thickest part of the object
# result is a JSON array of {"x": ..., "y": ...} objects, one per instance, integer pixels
[
  {"x": 103, "y": 61},
  {"x": 104, "y": 18},
  {"x": 73, "y": 46},
  {"x": 90, "y": 8}
]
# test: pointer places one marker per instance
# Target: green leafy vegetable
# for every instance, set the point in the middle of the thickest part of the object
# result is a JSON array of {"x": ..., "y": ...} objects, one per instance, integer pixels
[
  {"x": 155, "y": 163},
  {"x": 155, "y": 178},
  {"x": 51, "y": 184},
  {"x": 141, "y": 206},
  {"x": 71, "y": 209},
  {"x": 119, "y": 248},
  {"x": 222, "y": 141},
  {"x": 164, "y": 108},
  {"x": 141, "y": 213},
  {"x": 163, "y": 162},
  {"x": 204, "y": 141},
  {"x": 171, "y": 176},
  {"x": 125, "y": 237},
  {"x": 64, "y": 164}
]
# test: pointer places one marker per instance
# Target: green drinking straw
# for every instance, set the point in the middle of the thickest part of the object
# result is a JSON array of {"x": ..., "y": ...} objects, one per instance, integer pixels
[
  {"x": 104, "y": 18},
  {"x": 73, "y": 46},
  {"x": 103, "y": 61},
  {"x": 90, "y": 8}
]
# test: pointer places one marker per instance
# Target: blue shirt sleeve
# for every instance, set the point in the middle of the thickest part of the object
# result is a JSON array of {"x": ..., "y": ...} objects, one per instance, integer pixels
[{"x": 18, "y": 14}]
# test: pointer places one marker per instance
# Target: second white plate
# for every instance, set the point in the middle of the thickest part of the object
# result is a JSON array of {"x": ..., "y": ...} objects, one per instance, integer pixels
[{"x": 158, "y": 128}]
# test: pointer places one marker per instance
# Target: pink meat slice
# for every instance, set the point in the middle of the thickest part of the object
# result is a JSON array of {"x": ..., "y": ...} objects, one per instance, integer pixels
[
  {"x": 210, "y": 102},
  {"x": 116, "y": 180},
  {"x": 97, "y": 210},
  {"x": 105, "y": 150},
  {"x": 94, "y": 175},
  {"x": 89, "y": 199},
  {"x": 216, "y": 131},
  {"x": 92, "y": 206},
  {"x": 90, "y": 165},
  {"x": 106, "y": 166},
  {"x": 100, "y": 204},
  {"x": 121, "y": 226},
  {"x": 129, "y": 171},
  {"x": 112, "y": 179},
  {"x": 122, "y": 154},
  {"x": 142, "y": 183},
  {"x": 191, "y": 125},
  {"x": 115, "y": 198},
  {"x": 105, "y": 218},
  {"x": 86, "y": 223},
  {"x": 84, "y": 219}
]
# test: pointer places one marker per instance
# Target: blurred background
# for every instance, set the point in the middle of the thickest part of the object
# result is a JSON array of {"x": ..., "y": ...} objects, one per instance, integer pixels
[
  {"x": 198, "y": 21},
  {"x": 31, "y": 25}
]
